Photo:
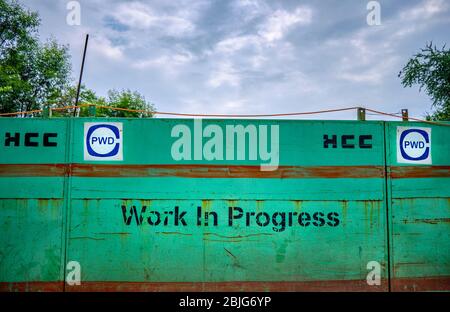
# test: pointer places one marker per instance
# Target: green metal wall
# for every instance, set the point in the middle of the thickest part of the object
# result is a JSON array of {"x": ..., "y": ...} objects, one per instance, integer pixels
[
  {"x": 32, "y": 207},
  {"x": 56, "y": 207},
  {"x": 420, "y": 215}
]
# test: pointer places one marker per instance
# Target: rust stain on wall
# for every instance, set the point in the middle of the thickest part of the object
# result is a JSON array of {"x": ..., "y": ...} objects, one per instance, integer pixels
[
  {"x": 31, "y": 170},
  {"x": 234, "y": 286},
  {"x": 173, "y": 233},
  {"x": 398, "y": 172},
  {"x": 398, "y": 284},
  {"x": 429, "y": 221},
  {"x": 441, "y": 283},
  {"x": 219, "y": 171},
  {"x": 226, "y": 171}
]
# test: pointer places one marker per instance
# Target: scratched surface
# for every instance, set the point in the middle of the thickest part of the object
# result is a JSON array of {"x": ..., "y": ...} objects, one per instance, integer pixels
[
  {"x": 56, "y": 207},
  {"x": 31, "y": 209},
  {"x": 306, "y": 181},
  {"x": 420, "y": 218},
  {"x": 158, "y": 253}
]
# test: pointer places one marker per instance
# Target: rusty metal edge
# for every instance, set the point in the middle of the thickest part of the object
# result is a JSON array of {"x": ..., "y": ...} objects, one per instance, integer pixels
[
  {"x": 398, "y": 172},
  {"x": 55, "y": 286},
  {"x": 398, "y": 285},
  {"x": 237, "y": 286},
  {"x": 408, "y": 284},
  {"x": 217, "y": 171}
]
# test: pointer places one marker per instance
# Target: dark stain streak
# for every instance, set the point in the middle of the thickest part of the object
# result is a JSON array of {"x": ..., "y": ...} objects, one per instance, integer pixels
[
  {"x": 223, "y": 240},
  {"x": 235, "y": 260},
  {"x": 174, "y": 233},
  {"x": 409, "y": 263},
  {"x": 229, "y": 252},
  {"x": 428, "y": 221},
  {"x": 87, "y": 237},
  {"x": 239, "y": 236}
]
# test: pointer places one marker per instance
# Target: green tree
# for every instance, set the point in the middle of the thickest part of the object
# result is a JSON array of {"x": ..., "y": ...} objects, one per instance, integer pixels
[
  {"x": 127, "y": 99},
  {"x": 31, "y": 72},
  {"x": 34, "y": 75},
  {"x": 430, "y": 69},
  {"x": 67, "y": 97},
  {"x": 17, "y": 26}
]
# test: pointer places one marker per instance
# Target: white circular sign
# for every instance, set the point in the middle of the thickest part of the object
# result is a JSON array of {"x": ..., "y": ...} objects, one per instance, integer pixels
[
  {"x": 414, "y": 144},
  {"x": 102, "y": 141}
]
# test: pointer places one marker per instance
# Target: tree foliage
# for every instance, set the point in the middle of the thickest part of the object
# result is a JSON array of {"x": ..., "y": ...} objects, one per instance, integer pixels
[
  {"x": 430, "y": 69},
  {"x": 31, "y": 72},
  {"x": 124, "y": 99},
  {"x": 35, "y": 75},
  {"x": 68, "y": 98},
  {"x": 127, "y": 99}
]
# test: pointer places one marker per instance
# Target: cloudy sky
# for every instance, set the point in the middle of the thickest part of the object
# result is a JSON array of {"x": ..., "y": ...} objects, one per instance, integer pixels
[{"x": 251, "y": 56}]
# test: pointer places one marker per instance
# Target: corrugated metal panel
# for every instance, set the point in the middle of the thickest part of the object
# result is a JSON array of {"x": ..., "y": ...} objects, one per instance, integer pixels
[
  {"x": 310, "y": 179},
  {"x": 32, "y": 207},
  {"x": 420, "y": 214},
  {"x": 338, "y": 188}
]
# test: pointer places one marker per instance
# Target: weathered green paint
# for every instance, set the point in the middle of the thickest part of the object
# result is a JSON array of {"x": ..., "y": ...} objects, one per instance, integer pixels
[
  {"x": 420, "y": 215},
  {"x": 32, "y": 208},
  {"x": 31, "y": 248},
  {"x": 75, "y": 212},
  {"x": 222, "y": 253}
]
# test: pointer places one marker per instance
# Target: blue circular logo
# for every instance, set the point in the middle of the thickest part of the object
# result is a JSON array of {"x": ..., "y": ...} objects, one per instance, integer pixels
[
  {"x": 103, "y": 140},
  {"x": 415, "y": 144}
]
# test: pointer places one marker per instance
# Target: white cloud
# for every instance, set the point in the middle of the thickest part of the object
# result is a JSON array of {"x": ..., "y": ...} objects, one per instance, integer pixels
[
  {"x": 418, "y": 18},
  {"x": 167, "y": 60},
  {"x": 137, "y": 15},
  {"x": 364, "y": 59},
  {"x": 241, "y": 56},
  {"x": 258, "y": 60},
  {"x": 424, "y": 10},
  {"x": 373, "y": 74},
  {"x": 273, "y": 28},
  {"x": 248, "y": 10},
  {"x": 103, "y": 46},
  {"x": 234, "y": 44},
  {"x": 301, "y": 83},
  {"x": 225, "y": 104},
  {"x": 266, "y": 40},
  {"x": 281, "y": 21},
  {"x": 374, "y": 50},
  {"x": 224, "y": 74}
]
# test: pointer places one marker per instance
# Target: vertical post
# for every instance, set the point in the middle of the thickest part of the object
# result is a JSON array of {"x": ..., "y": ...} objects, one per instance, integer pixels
[
  {"x": 46, "y": 111},
  {"x": 361, "y": 114},
  {"x": 405, "y": 114},
  {"x": 92, "y": 110},
  {"x": 81, "y": 75}
]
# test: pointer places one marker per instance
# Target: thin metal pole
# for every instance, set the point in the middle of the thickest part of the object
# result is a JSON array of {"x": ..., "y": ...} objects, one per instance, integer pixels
[
  {"x": 81, "y": 75},
  {"x": 405, "y": 114},
  {"x": 361, "y": 114}
]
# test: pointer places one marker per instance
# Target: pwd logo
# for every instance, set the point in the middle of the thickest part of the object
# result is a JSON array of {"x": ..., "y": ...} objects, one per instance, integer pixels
[
  {"x": 414, "y": 145},
  {"x": 103, "y": 141}
]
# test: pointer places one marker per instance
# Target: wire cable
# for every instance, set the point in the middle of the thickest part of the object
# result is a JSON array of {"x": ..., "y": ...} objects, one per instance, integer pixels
[{"x": 376, "y": 112}]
